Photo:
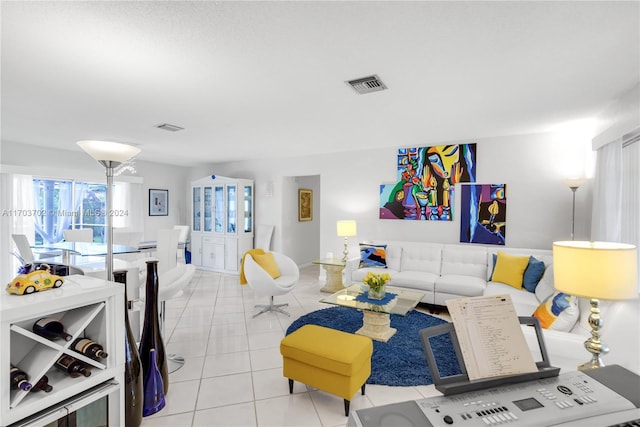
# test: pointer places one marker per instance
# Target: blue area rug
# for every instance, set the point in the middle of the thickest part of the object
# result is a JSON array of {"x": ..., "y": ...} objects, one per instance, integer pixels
[{"x": 400, "y": 361}]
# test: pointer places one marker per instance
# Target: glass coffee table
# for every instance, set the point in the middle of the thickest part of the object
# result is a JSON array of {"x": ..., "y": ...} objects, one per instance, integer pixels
[{"x": 376, "y": 315}]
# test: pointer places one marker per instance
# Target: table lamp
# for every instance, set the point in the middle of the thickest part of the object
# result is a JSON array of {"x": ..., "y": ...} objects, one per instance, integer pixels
[
  {"x": 596, "y": 270},
  {"x": 346, "y": 229},
  {"x": 110, "y": 155}
]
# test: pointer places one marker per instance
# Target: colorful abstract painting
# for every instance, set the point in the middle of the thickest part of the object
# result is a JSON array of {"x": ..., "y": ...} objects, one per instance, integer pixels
[
  {"x": 483, "y": 214},
  {"x": 426, "y": 180}
]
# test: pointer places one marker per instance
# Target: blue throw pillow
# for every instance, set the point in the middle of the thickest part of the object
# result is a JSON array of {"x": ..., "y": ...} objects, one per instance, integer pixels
[
  {"x": 373, "y": 256},
  {"x": 533, "y": 274}
]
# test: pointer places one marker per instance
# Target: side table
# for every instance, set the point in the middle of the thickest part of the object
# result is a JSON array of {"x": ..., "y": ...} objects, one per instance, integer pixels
[{"x": 333, "y": 268}]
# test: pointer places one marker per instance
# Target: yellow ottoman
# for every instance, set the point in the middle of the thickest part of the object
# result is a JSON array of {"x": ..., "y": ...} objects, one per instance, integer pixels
[{"x": 333, "y": 361}]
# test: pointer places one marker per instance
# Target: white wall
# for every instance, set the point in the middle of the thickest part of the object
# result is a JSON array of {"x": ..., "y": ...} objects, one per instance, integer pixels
[{"x": 532, "y": 166}]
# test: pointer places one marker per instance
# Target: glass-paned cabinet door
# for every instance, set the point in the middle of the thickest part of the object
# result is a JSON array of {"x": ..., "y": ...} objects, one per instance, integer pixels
[
  {"x": 196, "y": 209},
  {"x": 219, "y": 209},
  {"x": 208, "y": 207},
  {"x": 231, "y": 209},
  {"x": 248, "y": 209}
]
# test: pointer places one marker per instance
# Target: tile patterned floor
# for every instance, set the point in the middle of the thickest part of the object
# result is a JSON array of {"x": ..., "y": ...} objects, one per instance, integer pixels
[{"x": 233, "y": 371}]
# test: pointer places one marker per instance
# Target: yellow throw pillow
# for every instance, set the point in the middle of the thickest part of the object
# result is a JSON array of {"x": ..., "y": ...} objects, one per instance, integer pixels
[
  {"x": 510, "y": 269},
  {"x": 268, "y": 264}
]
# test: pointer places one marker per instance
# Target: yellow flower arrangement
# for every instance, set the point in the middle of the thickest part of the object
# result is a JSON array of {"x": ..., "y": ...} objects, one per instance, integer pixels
[{"x": 376, "y": 281}]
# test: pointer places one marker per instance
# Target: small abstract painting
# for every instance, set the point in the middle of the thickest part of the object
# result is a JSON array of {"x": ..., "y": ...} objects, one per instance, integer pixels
[
  {"x": 483, "y": 213},
  {"x": 426, "y": 182}
]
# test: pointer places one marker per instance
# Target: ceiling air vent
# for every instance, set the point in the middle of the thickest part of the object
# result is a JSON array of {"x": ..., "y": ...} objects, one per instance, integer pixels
[
  {"x": 367, "y": 84},
  {"x": 170, "y": 128}
]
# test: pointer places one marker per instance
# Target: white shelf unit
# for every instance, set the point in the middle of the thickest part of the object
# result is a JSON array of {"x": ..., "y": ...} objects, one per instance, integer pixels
[
  {"x": 86, "y": 306},
  {"x": 222, "y": 224}
]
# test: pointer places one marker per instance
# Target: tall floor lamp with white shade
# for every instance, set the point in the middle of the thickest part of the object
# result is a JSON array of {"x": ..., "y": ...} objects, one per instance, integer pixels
[{"x": 110, "y": 155}]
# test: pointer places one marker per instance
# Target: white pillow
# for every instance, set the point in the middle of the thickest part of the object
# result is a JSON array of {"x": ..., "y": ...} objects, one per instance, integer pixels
[
  {"x": 558, "y": 312},
  {"x": 545, "y": 286}
]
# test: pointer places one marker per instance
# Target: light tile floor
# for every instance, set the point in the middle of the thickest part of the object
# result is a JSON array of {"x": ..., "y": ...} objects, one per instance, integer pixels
[{"x": 233, "y": 371}]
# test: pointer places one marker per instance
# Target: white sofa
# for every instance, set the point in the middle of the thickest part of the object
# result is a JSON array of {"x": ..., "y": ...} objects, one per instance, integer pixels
[{"x": 449, "y": 271}]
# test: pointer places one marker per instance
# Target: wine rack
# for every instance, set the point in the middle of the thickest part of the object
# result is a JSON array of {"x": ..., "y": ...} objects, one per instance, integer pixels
[{"x": 86, "y": 306}]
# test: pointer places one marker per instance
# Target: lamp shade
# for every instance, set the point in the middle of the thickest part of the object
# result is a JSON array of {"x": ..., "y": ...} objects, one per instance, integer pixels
[
  {"x": 600, "y": 270},
  {"x": 108, "y": 150},
  {"x": 574, "y": 182},
  {"x": 346, "y": 228}
]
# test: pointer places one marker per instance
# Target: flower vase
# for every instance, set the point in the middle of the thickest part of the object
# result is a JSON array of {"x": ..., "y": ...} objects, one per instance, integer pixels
[
  {"x": 151, "y": 335},
  {"x": 377, "y": 294},
  {"x": 153, "y": 387},
  {"x": 133, "y": 395}
]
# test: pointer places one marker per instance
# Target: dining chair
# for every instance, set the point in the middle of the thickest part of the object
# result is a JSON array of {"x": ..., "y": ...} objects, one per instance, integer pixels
[
  {"x": 182, "y": 240},
  {"x": 78, "y": 235},
  {"x": 26, "y": 256},
  {"x": 263, "y": 236}
]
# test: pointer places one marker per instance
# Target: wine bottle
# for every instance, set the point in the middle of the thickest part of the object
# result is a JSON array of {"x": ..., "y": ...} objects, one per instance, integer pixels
[
  {"x": 89, "y": 348},
  {"x": 73, "y": 367},
  {"x": 50, "y": 328},
  {"x": 133, "y": 387},
  {"x": 19, "y": 379},
  {"x": 151, "y": 335},
  {"x": 42, "y": 384}
]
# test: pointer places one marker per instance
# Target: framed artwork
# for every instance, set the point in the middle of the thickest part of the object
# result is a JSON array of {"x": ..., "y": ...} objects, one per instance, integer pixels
[
  {"x": 158, "y": 202},
  {"x": 305, "y": 205}
]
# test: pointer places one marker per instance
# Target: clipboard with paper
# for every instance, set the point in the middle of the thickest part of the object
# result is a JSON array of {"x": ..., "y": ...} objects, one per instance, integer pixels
[{"x": 490, "y": 346}]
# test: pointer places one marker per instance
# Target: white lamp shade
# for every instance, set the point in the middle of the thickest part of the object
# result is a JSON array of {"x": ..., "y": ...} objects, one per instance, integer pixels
[
  {"x": 346, "y": 228},
  {"x": 601, "y": 270},
  {"x": 108, "y": 150},
  {"x": 574, "y": 182}
]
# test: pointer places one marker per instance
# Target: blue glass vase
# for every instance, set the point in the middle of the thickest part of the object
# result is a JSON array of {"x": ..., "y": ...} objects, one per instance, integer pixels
[{"x": 153, "y": 387}]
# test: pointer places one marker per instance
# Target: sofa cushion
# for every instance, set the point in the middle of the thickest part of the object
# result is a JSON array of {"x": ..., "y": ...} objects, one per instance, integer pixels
[
  {"x": 462, "y": 285},
  {"x": 373, "y": 255},
  {"x": 545, "y": 285},
  {"x": 533, "y": 274},
  {"x": 414, "y": 280},
  {"x": 425, "y": 257},
  {"x": 559, "y": 312},
  {"x": 510, "y": 269},
  {"x": 524, "y": 302},
  {"x": 464, "y": 260}
]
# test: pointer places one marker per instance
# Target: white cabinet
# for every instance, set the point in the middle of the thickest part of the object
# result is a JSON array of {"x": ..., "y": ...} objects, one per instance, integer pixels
[
  {"x": 88, "y": 307},
  {"x": 221, "y": 222}
]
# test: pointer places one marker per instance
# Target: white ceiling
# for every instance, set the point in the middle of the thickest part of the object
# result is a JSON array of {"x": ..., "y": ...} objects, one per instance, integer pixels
[{"x": 262, "y": 79}]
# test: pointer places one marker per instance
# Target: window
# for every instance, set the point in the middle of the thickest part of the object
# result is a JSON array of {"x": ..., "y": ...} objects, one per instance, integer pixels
[{"x": 63, "y": 204}]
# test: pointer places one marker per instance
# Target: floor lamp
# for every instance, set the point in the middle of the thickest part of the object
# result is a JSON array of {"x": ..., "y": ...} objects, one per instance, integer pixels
[
  {"x": 596, "y": 270},
  {"x": 110, "y": 155},
  {"x": 574, "y": 184}
]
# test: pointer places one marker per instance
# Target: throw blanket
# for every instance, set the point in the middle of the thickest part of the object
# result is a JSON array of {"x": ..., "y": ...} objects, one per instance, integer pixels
[{"x": 256, "y": 251}]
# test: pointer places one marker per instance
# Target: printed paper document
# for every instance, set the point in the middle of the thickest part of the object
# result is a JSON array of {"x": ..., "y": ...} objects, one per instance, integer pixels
[{"x": 490, "y": 337}]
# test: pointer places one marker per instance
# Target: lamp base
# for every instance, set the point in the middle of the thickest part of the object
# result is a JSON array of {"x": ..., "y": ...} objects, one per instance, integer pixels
[
  {"x": 345, "y": 252},
  {"x": 593, "y": 344}
]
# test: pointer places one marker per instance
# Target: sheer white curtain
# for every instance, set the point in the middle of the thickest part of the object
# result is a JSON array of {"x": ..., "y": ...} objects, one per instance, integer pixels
[
  {"x": 128, "y": 202},
  {"x": 606, "y": 223},
  {"x": 631, "y": 194},
  {"x": 616, "y": 196}
]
